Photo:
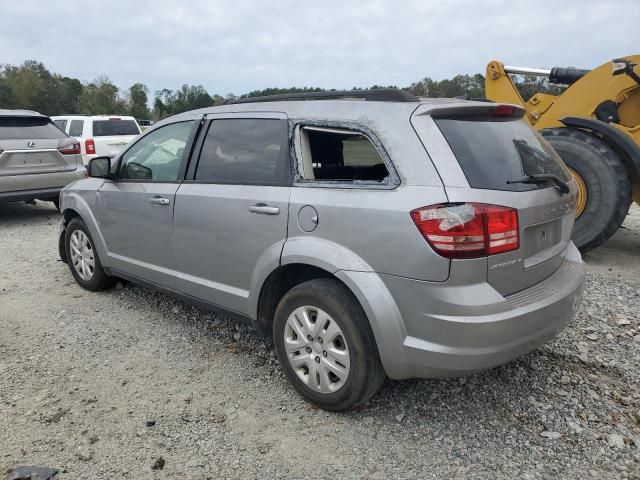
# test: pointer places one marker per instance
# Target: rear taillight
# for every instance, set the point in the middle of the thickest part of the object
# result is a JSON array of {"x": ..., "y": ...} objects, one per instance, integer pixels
[
  {"x": 468, "y": 230},
  {"x": 89, "y": 146},
  {"x": 71, "y": 149}
]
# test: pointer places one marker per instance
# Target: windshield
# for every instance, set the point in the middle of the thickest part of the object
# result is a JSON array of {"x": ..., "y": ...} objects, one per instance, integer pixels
[{"x": 492, "y": 151}]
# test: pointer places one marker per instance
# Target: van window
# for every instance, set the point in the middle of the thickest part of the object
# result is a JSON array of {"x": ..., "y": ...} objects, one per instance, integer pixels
[
  {"x": 340, "y": 155},
  {"x": 76, "y": 128},
  {"x": 245, "y": 151},
  {"x": 61, "y": 124}
]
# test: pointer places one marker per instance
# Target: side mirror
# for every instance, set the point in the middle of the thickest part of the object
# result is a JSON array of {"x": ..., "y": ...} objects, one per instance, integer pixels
[{"x": 100, "y": 167}]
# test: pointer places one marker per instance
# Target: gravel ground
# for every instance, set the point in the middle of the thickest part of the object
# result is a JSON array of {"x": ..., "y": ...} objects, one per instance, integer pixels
[{"x": 132, "y": 384}]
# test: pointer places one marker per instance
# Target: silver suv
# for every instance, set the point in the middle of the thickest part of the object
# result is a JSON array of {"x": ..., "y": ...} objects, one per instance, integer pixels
[
  {"x": 37, "y": 159},
  {"x": 374, "y": 236}
]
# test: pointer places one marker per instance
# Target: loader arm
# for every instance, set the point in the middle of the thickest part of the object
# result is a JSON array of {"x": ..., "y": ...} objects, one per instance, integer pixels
[{"x": 588, "y": 93}]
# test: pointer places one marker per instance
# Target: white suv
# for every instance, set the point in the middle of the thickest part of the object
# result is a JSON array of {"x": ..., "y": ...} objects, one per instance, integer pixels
[{"x": 99, "y": 135}]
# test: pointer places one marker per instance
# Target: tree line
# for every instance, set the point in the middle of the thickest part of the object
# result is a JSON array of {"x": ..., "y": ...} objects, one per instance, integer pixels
[{"x": 32, "y": 86}]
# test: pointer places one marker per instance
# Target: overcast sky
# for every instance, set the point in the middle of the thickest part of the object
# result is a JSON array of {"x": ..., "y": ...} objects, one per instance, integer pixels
[{"x": 241, "y": 45}]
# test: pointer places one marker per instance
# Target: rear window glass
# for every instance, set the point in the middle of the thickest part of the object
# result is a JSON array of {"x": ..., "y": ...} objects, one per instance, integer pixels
[
  {"x": 76, "y": 127},
  {"x": 493, "y": 151},
  {"x": 17, "y": 128},
  {"x": 113, "y": 127}
]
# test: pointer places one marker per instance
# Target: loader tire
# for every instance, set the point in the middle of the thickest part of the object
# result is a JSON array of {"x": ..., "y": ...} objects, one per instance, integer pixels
[{"x": 598, "y": 170}]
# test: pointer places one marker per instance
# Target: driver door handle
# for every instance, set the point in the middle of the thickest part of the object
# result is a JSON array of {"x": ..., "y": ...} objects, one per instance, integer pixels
[
  {"x": 264, "y": 208},
  {"x": 159, "y": 201}
]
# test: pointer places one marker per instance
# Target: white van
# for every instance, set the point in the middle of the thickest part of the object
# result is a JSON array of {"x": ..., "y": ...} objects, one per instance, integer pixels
[{"x": 99, "y": 135}]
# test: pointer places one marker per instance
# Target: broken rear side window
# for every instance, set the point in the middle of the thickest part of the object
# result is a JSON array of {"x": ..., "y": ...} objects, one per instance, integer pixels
[{"x": 331, "y": 154}]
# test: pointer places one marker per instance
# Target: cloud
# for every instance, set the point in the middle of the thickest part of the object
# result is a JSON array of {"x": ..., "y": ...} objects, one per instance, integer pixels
[{"x": 241, "y": 45}]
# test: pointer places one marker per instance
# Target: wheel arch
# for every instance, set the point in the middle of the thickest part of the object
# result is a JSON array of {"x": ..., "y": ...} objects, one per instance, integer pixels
[
  {"x": 67, "y": 216},
  {"x": 72, "y": 206},
  {"x": 366, "y": 286},
  {"x": 626, "y": 148}
]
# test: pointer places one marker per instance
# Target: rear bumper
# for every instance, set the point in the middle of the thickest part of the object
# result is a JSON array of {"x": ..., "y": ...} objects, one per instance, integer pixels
[
  {"x": 457, "y": 330},
  {"x": 37, "y": 186}
]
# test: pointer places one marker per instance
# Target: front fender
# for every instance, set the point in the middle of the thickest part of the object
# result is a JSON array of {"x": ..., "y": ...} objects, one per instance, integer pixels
[{"x": 73, "y": 201}]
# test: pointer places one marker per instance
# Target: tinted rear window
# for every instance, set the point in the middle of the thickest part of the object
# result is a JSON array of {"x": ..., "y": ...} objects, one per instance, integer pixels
[
  {"x": 113, "y": 127},
  {"x": 492, "y": 151},
  {"x": 17, "y": 128}
]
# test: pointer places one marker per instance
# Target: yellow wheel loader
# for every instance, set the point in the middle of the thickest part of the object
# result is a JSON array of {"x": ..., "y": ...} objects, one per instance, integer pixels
[{"x": 594, "y": 125}]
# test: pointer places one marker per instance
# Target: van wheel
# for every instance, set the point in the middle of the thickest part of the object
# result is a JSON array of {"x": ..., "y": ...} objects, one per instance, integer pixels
[
  {"x": 325, "y": 345},
  {"x": 603, "y": 183},
  {"x": 82, "y": 257}
]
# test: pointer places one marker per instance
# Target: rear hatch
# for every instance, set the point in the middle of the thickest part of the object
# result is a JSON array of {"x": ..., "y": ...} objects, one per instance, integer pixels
[
  {"x": 112, "y": 134},
  {"x": 494, "y": 147},
  {"x": 34, "y": 145}
]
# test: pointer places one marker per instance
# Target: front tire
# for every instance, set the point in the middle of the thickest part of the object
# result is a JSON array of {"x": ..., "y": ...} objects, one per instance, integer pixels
[
  {"x": 82, "y": 257},
  {"x": 604, "y": 181},
  {"x": 325, "y": 345}
]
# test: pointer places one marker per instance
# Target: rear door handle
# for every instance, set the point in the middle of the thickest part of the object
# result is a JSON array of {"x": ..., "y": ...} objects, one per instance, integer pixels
[
  {"x": 264, "y": 208},
  {"x": 159, "y": 201}
]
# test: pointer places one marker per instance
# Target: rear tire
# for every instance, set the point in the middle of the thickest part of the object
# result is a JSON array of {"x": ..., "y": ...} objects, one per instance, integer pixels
[
  {"x": 309, "y": 360},
  {"x": 83, "y": 259},
  {"x": 608, "y": 187}
]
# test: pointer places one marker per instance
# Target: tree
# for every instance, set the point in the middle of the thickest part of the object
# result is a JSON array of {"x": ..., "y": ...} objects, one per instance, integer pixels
[
  {"x": 100, "y": 97},
  {"x": 277, "y": 91},
  {"x": 167, "y": 102},
  {"x": 460, "y": 85},
  {"x": 25, "y": 84},
  {"x": 138, "y": 99},
  {"x": 31, "y": 86},
  {"x": 69, "y": 92},
  {"x": 529, "y": 85}
]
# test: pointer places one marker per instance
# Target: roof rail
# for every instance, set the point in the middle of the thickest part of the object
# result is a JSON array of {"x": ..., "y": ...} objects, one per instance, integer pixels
[{"x": 375, "y": 95}]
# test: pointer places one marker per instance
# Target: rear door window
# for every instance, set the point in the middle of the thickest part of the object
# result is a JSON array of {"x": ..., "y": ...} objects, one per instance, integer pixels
[
  {"x": 492, "y": 151},
  {"x": 20, "y": 128},
  {"x": 114, "y": 127},
  {"x": 245, "y": 151},
  {"x": 76, "y": 128}
]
